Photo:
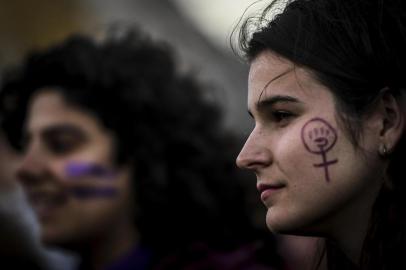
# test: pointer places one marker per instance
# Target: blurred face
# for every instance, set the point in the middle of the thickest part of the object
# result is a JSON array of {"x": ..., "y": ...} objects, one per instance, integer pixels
[
  {"x": 9, "y": 160},
  {"x": 68, "y": 172},
  {"x": 310, "y": 177}
]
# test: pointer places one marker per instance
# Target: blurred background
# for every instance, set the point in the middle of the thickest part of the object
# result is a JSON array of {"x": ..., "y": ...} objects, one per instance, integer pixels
[{"x": 199, "y": 30}]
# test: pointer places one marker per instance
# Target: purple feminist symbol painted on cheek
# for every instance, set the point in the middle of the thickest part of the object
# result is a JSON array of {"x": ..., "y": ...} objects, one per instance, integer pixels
[{"x": 319, "y": 137}]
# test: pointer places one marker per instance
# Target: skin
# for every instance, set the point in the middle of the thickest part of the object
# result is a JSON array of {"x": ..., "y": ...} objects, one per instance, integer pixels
[
  {"x": 19, "y": 231},
  {"x": 9, "y": 160},
  {"x": 59, "y": 134},
  {"x": 282, "y": 98},
  {"x": 319, "y": 137}
]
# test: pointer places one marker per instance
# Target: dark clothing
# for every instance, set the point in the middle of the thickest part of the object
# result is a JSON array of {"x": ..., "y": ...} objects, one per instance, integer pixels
[{"x": 138, "y": 258}]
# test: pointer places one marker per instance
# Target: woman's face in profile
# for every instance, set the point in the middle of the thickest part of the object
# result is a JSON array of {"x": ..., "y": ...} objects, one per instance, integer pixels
[
  {"x": 68, "y": 172},
  {"x": 309, "y": 175}
]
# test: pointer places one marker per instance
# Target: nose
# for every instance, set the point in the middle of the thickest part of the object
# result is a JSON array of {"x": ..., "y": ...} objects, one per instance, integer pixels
[
  {"x": 255, "y": 153},
  {"x": 31, "y": 167}
]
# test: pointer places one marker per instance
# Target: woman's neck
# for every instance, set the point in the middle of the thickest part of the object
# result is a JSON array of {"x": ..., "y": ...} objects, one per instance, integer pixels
[{"x": 350, "y": 232}]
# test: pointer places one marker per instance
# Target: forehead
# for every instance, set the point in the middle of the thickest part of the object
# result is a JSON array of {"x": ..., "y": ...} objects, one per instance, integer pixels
[
  {"x": 48, "y": 107},
  {"x": 271, "y": 75}
]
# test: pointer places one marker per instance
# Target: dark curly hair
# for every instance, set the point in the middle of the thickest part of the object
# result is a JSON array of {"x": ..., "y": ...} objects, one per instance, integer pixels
[
  {"x": 186, "y": 187},
  {"x": 356, "y": 48}
]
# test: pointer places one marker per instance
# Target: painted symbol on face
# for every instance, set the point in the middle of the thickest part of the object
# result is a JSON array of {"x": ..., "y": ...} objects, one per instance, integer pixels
[
  {"x": 82, "y": 169},
  {"x": 319, "y": 137},
  {"x": 76, "y": 171}
]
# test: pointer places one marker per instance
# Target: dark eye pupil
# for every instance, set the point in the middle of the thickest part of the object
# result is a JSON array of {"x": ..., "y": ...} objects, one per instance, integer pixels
[
  {"x": 61, "y": 146},
  {"x": 281, "y": 115}
]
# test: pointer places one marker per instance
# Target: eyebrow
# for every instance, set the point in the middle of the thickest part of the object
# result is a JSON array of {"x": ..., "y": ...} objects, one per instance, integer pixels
[
  {"x": 274, "y": 79},
  {"x": 64, "y": 129},
  {"x": 52, "y": 131},
  {"x": 271, "y": 101}
]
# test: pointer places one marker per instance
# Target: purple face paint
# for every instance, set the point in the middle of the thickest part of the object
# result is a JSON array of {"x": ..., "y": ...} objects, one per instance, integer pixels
[
  {"x": 318, "y": 137},
  {"x": 82, "y": 169},
  {"x": 78, "y": 170}
]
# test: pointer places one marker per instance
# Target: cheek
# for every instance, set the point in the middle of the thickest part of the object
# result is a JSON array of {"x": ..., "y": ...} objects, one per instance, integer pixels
[
  {"x": 294, "y": 161},
  {"x": 92, "y": 182},
  {"x": 310, "y": 195},
  {"x": 319, "y": 184},
  {"x": 311, "y": 177},
  {"x": 101, "y": 209},
  {"x": 310, "y": 153},
  {"x": 83, "y": 216},
  {"x": 98, "y": 156},
  {"x": 92, "y": 215}
]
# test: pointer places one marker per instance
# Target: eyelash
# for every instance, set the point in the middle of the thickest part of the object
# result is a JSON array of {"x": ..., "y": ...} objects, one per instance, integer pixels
[
  {"x": 61, "y": 146},
  {"x": 281, "y": 117}
]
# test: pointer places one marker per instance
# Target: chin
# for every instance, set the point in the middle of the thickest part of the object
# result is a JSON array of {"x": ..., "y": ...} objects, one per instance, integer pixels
[
  {"x": 278, "y": 224},
  {"x": 52, "y": 238},
  {"x": 282, "y": 228},
  {"x": 287, "y": 224}
]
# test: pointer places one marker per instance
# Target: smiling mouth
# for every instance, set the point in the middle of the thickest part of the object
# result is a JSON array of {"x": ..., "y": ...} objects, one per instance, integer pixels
[{"x": 45, "y": 203}]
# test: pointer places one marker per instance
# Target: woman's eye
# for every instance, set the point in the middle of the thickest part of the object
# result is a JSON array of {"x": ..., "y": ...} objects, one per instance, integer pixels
[
  {"x": 63, "y": 139},
  {"x": 60, "y": 146},
  {"x": 282, "y": 117}
]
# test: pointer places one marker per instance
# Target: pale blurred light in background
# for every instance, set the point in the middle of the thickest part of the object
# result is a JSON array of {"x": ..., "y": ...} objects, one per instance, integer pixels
[
  {"x": 199, "y": 30},
  {"x": 217, "y": 19}
]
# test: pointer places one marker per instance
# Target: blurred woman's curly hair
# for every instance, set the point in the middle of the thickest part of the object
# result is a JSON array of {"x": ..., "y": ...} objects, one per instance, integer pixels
[{"x": 184, "y": 179}]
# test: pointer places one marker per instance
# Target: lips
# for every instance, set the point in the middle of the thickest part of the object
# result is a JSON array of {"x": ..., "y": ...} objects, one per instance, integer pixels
[
  {"x": 267, "y": 190},
  {"x": 44, "y": 203}
]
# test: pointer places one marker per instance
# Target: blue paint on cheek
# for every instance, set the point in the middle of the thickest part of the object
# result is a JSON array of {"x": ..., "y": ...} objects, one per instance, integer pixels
[{"x": 82, "y": 169}]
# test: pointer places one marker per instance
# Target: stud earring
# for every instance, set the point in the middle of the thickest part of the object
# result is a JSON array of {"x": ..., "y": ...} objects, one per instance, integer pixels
[{"x": 383, "y": 151}]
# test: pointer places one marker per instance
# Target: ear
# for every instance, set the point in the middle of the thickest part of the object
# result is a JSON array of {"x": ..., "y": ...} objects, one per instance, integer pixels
[{"x": 392, "y": 117}]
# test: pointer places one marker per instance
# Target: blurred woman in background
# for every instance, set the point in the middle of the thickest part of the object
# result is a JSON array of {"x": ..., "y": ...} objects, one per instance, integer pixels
[{"x": 125, "y": 160}]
